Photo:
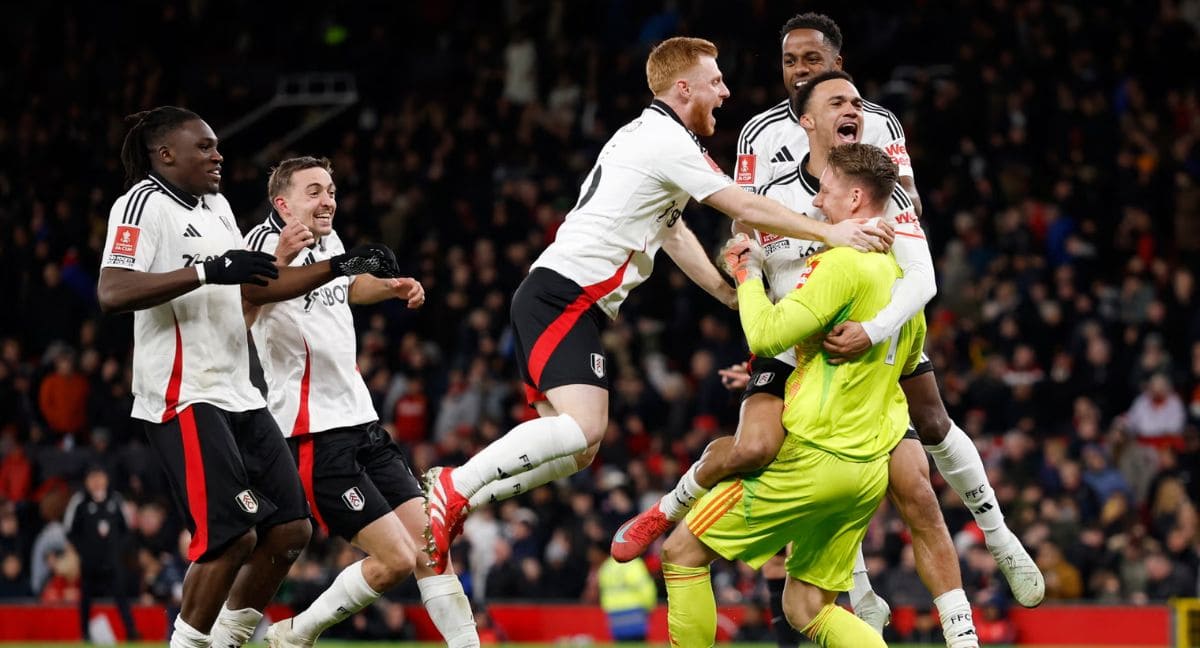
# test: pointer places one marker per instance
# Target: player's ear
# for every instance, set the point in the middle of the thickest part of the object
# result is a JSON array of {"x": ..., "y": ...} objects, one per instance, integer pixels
[
  {"x": 806, "y": 122},
  {"x": 164, "y": 154},
  {"x": 280, "y": 205},
  {"x": 685, "y": 89}
]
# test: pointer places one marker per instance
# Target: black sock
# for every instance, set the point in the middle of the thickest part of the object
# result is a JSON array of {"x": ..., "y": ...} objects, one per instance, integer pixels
[{"x": 785, "y": 635}]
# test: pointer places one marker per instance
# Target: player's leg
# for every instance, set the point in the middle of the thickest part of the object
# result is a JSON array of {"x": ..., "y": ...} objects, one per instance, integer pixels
[
  {"x": 691, "y": 606},
  {"x": 959, "y": 463},
  {"x": 866, "y": 603},
  {"x": 937, "y": 561},
  {"x": 211, "y": 488},
  {"x": 774, "y": 572},
  {"x": 502, "y": 489},
  {"x": 562, "y": 361},
  {"x": 758, "y": 438},
  {"x": 814, "y": 611}
]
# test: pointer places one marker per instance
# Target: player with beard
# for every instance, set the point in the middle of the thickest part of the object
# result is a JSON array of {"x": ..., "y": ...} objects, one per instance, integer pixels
[{"x": 631, "y": 204}]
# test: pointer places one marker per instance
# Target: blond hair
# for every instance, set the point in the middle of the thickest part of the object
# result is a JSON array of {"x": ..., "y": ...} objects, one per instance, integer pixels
[{"x": 672, "y": 57}]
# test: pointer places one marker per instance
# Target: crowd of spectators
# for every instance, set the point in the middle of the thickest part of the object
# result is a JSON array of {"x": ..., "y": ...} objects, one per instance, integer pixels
[{"x": 1055, "y": 152}]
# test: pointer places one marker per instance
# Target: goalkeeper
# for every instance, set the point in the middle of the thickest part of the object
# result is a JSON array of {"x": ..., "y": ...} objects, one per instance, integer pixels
[{"x": 841, "y": 420}]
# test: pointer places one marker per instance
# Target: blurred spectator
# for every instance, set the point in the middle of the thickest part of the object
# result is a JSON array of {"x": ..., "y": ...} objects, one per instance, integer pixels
[
  {"x": 96, "y": 527},
  {"x": 16, "y": 473},
  {"x": 63, "y": 396},
  {"x": 628, "y": 596},
  {"x": 14, "y": 582},
  {"x": 1157, "y": 415}
]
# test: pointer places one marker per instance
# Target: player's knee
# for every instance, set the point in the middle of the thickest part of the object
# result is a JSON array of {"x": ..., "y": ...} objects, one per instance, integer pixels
[
  {"x": 594, "y": 428},
  {"x": 800, "y": 608},
  {"x": 585, "y": 458},
  {"x": 239, "y": 550},
  {"x": 931, "y": 420},
  {"x": 752, "y": 453},
  {"x": 293, "y": 537},
  {"x": 398, "y": 564}
]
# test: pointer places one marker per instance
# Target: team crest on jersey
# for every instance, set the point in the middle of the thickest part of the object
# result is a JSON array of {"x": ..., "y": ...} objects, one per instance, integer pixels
[
  {"x": 745, "y": 170},
  {"x": 354, "y": 499},
  {"x": 598, "y": 365},
  {"x": 126, "y": 241},
  {"x": 764, "y": 378},
  {"x": 246, "y": 501}
]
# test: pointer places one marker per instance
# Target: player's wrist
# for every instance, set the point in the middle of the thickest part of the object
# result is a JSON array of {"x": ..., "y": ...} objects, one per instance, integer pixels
[{"x": 874, "y": 332}]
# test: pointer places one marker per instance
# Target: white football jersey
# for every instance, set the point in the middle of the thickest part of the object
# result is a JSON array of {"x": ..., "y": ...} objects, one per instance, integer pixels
[
  {"x": 192, "y": 349},
  {"x": 784, "y": 264},
  {"x": 773, "y": 140},
  {"x": 642, "y": 180},
  {"x": 308, "y": 347}
]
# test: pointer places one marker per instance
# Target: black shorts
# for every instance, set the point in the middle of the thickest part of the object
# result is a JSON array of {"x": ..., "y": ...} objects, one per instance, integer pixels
[
  {"x": 557, "y": 329},
  {"x": 767, "y": 376},
  {"x": 353, "y": 476},
  {"x": 229, "y": 472},
  {"x": 923, "y": 367}
]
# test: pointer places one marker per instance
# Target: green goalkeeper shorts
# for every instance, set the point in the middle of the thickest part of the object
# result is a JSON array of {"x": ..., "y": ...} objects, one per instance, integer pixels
[{"x": 810, "y": 498}]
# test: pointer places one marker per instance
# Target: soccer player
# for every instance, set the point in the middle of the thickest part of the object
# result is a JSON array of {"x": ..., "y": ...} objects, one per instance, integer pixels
[
  {"x": 842, "y": 422},
  {"x": 358, "y": 483},
  {"x": 631, "y": 204},
  {"x": 173, "y": 254},
  {"x": 830, "y": 110},
  {"x": 811, "y": 45}
]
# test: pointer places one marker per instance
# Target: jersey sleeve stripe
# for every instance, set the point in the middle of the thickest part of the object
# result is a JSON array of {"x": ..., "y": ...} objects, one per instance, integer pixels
[
  {"x": 893, "y": 123},
  {"x": 753, "y": 133},
  {"x": 910, "y": 235},
  {"x": 781, "y": 180},
  {"x": 757, "y": 123},
  {"x": 258, "y": 238},
  {"x": 136, "y": 203},
  {"x": 900, "y": 197}
]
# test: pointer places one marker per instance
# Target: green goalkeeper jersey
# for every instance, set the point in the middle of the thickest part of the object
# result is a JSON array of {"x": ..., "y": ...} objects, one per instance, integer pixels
[{"x": 854, "y": 410}]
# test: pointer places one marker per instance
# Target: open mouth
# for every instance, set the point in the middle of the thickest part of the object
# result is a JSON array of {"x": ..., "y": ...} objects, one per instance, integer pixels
[
  {"x": 848, "y": 133},
  {"x": 215, "y": 174},
  {"x": 323, "y": 219}
]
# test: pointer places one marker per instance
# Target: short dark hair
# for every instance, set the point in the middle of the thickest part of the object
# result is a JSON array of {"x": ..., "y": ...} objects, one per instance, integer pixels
[
  {"x": 805, "y": 93},
  {"x": 816, "y": 21},
  {"x": 281, "y": 176},
  {"x": 867, "y": 166},
  {"x": 146, "y": 129}
]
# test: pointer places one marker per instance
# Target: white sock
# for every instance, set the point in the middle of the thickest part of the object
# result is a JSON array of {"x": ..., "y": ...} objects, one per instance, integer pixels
[
  {"x": 526, "y": 446},
  {"x": 862, "y": 584},
  {"x": 679, "y": 501},
  {"x": 960, "y": 464},
  {"x": 185, "y": 636},
  {"x": 449, "y": 610},
  {"x": 348, "y": 594},
  {"x": 234, "y": 627},
  {"x": 502, "y": 489},
  {"x": 955, "y": 614}
]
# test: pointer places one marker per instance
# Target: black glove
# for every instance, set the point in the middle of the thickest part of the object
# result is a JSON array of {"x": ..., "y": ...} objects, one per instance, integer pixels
[
  {"x": 239, "y": 267},
  {"x": 373, "y": 258}
]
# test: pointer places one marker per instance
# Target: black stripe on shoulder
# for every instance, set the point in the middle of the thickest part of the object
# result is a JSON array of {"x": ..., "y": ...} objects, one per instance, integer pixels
[
  {"x": 258, "y": 238},
  {"x": 901, "y": 198},
  {"x": 137, "y": 204},
  {"x": 758, "y": 122},
  {"x": 893, "y": 123},
  {"x": 758, "y": 129},
  {"x": 133, "y": 196},
  {"x": 785, "y": 179}
]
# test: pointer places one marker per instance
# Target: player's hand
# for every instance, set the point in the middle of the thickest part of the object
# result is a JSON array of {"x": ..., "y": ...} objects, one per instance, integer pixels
[
  {"x": 862, "y": 234},
  {"x": 735, "y": 377},
  {"x": 292, "y": 239},
  {"x": 370, "y": 258},
  {"x": 408, "y": 289},
  {"x": 239, "y": 267},
  {"x": 846, "y": 342},
  {"x": 743, "y": 258}
]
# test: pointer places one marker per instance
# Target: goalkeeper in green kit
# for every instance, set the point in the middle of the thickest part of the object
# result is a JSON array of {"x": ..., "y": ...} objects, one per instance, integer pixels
[{"x": 841, "y": 420}]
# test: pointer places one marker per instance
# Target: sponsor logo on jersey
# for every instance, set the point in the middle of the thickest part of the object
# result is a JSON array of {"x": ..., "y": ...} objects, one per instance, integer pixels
[
  {"x": 246, "y": 501},
  {"x": 354, "y": 499},
  {"x": 598, "y": 365},
  {"x": 190, "y": 260},
  {"x": 899, "y": 154},
  {"x": 906, "y": 218},
  {"x": 765, "y": 238},
  {"x": 191, "y": 232},
  {"x": 745, "y": 170},
  {"x": 120, "y": 260},
  {"x": 326, "y": 295},
  {"x": 764, "y": 378},
  {"x": 808, "y": 270},
  {"x": 126, "y": 240}
]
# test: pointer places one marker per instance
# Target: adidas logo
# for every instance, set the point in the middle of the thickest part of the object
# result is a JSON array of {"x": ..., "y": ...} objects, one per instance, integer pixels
[
  {"x": 191, "y": 232},
  {"x": 784, "y": 155}
]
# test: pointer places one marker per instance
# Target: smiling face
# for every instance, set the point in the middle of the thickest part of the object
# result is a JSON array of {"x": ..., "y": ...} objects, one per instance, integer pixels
[
  {"x": 806, "y": 53},
  {"x": 188, "y": 158},
  {"x": 311, "y": 198},
  {"x": 833, "y": 115},
  {"x": 706, "y": 91}
]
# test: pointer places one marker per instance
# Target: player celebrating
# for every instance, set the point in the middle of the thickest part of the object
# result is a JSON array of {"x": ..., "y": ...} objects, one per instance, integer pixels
[
  {"x": 842, "y": 422},
  {"x": 173, "y": 255},
  {"x": 356, "y": 480},
  {"x": 631, "y": 204},
  {"x": 811, "y": 46}
]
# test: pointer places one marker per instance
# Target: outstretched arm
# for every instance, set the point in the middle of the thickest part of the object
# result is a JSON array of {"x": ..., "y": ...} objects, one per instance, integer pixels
[
  {"x": 686, "y": 251},
  {"x": 764, "y": 214}
]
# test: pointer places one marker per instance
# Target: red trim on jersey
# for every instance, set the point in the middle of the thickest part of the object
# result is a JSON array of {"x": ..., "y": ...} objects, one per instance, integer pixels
[
  {"x": 301, "y": 425},
  {"x": 549, "y": 340},
  {"x": 172, "y": 395},
  {"x": 197, "y": 487},
  {"x": 306, "y": 478},
  {"x": 916, "y": 236},
  {"x": 532, "y": 395}
]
